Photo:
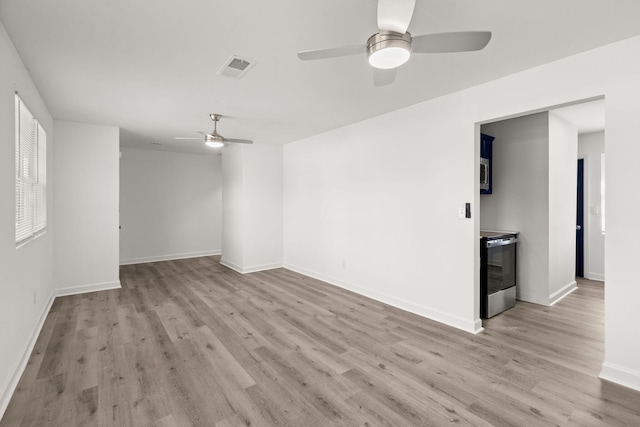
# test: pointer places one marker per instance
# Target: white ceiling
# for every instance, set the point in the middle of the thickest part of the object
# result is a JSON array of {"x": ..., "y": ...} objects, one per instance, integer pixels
[
  {"x": 149, "y": 66},
  {"x": 588, "y": 117}
]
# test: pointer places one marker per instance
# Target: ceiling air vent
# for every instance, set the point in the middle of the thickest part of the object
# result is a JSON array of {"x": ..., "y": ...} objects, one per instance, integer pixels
[{"x": 236, "y": 67}]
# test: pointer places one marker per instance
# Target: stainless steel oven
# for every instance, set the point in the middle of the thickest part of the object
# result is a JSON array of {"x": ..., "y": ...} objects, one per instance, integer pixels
[{"x": 497, "y": 274}]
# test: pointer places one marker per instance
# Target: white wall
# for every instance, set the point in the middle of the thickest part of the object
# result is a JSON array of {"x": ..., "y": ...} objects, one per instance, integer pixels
[
  {"x": 408, "y": 173},
  {"x": 520, "y": 199},
  {"x": 252, "y": 207},
  {"x": 170, "y": 205},
  {"x": 263, "y": 206},
  {"x": 563, "y": 158},
  {"x": 590, "y": 147},
  {"x": 86, "y": 172},
  {"x": 26, "y": 274},
  {"x": 373, "y": 207},
  {"x": 622, "y": 293},
  {"x": 233, "y": 210}
]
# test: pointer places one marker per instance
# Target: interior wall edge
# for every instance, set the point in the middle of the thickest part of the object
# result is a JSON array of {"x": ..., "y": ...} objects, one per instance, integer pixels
[{"x": 470, "y": 326}]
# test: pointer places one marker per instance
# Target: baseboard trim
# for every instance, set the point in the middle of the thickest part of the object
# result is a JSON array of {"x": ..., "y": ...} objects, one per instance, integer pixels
[
  {"x": 263, "y": 267},
  {"x": 620, "y": 375},
  {"x": 596, "y": 276},
  {"x": 531, "y": 297},
  {"x": 94, "y": 287},
  {"x": 547, "y": 300},
  {"x": 171, "y": 257},
  {"x": 472, "y": 327},
  {"x": 566, "y": 290},
  {"x": 231, "y": 265},
  {"x": 477, "y": 327},
  {"x": 251, "y": 269},
  {"x": 10, "y": 387}
]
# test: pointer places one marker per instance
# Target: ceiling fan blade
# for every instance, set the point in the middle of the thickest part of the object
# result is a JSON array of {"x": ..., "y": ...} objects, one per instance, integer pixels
[
  {"x": 186, "y": 137},
  {"x": 238, "y": 141},
  {"x": 395, "y": 15},
  {"x": 384, "y": 77},
  {"x": 332, "y": 52},
  {"x": 202, "y": 133},
  {"x": 463, "y": 41}
]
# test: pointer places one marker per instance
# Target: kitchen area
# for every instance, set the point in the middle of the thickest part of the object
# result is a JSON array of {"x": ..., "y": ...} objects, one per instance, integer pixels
[
  {"x": 498, "y": 259},
  {"x": 527, "y": 211}
]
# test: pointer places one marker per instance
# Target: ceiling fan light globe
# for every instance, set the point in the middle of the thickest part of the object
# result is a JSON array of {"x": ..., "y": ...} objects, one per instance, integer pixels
[
  {"x": 213, "y": 141},
  {"x": 214, "y": 144},
  {"x": 390, "y": 57}
]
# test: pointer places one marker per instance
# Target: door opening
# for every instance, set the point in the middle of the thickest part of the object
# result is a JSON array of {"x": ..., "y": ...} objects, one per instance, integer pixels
[{"x": 580, "y": 220}]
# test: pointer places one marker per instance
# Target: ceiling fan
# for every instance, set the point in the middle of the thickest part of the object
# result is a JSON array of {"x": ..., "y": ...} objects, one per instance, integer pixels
[
  {"x": 393, "y": 45},
  {"x": 214, "y": 139}
]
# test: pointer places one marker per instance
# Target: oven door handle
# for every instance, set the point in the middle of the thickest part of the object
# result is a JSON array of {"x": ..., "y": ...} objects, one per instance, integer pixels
[{"x": 501, "y": 242}]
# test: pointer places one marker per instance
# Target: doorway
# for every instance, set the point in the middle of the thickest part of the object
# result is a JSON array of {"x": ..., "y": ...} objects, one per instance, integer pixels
[
  {"x": 580, "y": 220},
  {"x": 513, "y": 200}
]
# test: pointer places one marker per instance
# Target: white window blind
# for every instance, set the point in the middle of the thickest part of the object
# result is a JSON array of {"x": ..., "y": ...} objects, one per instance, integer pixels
[{"x": 31, "y": 174}]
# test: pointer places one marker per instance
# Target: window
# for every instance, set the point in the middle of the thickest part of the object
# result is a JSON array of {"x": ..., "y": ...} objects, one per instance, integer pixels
[{"x": 31, "y": 175}]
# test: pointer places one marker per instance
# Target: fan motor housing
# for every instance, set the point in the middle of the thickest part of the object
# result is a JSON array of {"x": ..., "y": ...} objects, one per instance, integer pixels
[{"x": 392, "y": 41}]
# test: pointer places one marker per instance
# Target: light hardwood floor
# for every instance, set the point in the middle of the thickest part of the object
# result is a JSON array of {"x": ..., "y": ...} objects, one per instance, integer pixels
[{"x": 190, "y": 342}]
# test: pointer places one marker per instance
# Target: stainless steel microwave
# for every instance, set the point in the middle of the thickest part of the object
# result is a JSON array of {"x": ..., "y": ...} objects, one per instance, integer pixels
[{"x": 484, "y": 173}]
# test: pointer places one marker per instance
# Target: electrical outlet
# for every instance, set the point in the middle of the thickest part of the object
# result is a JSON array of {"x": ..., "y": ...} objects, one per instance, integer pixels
[
  {"x": 461, "y": 213},
  {"x": 344, "y": 263}
]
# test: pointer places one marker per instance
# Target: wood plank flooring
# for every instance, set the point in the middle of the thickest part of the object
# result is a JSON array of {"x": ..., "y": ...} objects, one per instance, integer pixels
[{"x": 190, "y": 342}]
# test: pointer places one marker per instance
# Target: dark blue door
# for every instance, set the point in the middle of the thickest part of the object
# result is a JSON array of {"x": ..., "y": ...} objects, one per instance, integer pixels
[{"x": 580, "y": 221}]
